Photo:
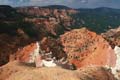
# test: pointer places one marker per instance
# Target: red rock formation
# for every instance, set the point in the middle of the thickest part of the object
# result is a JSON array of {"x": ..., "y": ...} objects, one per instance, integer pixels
[
  {"x": 83, "y": 48},
  {"x": 86, "y": 48},
  {"x": 23, "y": 55},
  {"x": 49, "y": 44},
  {"x": 9, "y": 45},
  {"x": 52, "y": 21},
  {"x": 38, "y": 11}
]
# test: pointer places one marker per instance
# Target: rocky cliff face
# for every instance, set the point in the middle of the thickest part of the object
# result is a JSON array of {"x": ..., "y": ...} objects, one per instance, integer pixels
[
  {"x": 25, "y": 54},
  {"x": 45, "y": 11},
  {"x": 14, "y": 33},
  {"x": 50, "y": 21},
  {"x": 80, "y": 47},
  {"x": 113, "y": 37},
  {"x": 47, "y": 45},
  {"x": 9, "y": 45},
  {"x": 50, "y": 44},
  {"x": 86, "y": 48}
]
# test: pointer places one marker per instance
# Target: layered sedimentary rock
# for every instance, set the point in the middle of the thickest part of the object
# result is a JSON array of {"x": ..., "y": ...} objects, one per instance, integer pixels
[
  {"x": 45, "y": 11},
  {"x": 37, "y": 52},
  {"x": 80, "y": 47},
  {"x": 28, "y": 53},
  {"x": 49, "y": 21},
  {"x": 86, "y": 48}
]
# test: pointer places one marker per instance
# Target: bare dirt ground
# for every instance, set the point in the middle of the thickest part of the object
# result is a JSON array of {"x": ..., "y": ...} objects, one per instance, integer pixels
[{"x": 18, "y": 71}]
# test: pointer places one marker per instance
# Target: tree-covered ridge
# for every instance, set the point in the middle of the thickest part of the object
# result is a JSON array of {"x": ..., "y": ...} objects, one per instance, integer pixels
[
  {"x": 98, "y": 19},
  {"x": 11, "y": 21}
]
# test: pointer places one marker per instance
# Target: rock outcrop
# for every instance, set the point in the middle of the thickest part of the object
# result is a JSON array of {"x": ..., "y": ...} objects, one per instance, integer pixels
[
  {"x": 37, "y": 52},
  {"x": 9, "y": 45},
  {"x": 17, "y": 71},
  {"x": 86, "y": 48},
  {"x": 28, "y": 53},
  {"x": 14, "y": 33},
  {"x": 45, "y": 11},
  {"x": 113, "y": 37},
  {"x": 80, "y": 47},
  {"x": 49, "y": 21},
  {"x": 52, "y": 45}
]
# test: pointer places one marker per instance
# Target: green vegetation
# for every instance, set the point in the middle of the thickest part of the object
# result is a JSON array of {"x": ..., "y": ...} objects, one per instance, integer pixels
[
  {"x": 98, "y": 20},
  {"x": 10, "y": 21}
]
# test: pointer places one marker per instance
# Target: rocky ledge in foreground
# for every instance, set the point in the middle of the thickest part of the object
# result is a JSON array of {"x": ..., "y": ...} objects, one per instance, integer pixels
[{"x": 17, "y": 71}]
